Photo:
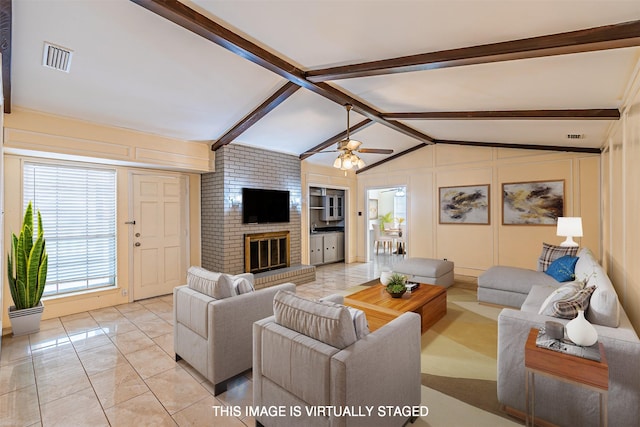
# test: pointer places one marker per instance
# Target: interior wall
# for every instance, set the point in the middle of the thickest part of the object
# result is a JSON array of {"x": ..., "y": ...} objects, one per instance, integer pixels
[
  {"x": 475, "y": 248},
  {"x": 45, "y": 134},
  {"x": 621, "y": 204}
]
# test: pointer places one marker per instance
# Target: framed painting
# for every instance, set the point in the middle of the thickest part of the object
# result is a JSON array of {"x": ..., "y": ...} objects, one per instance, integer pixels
[
  {"x": 532, "y": 203},
  {"x": 467, "y": 204},
  {"x": 373, "y": 209}
]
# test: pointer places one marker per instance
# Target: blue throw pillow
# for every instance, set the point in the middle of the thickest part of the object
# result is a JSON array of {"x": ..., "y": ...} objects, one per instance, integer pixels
[{"x": 563, "y": 269}]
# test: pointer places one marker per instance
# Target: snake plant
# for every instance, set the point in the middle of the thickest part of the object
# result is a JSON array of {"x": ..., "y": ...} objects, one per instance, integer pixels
[{"x": 27, "y": 263}]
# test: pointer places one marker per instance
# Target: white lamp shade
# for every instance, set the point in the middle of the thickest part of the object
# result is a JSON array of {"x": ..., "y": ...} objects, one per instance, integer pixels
[{"x": 569, "y": 227}]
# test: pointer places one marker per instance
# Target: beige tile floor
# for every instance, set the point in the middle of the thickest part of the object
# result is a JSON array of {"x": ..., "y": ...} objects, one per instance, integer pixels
[{"x": 115, "y": 366}]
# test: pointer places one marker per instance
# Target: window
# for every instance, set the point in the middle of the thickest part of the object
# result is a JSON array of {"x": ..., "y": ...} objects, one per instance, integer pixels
[{"x": 78, "y": 208}]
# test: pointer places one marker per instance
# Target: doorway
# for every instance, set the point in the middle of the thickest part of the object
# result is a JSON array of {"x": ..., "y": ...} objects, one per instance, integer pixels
[
  {"x": 387, "y": 225},
  {"x": 160, "y": 218}
]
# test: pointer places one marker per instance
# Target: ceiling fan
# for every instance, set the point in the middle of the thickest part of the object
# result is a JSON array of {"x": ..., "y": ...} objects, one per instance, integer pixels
[{"x": 348, "y": 148}]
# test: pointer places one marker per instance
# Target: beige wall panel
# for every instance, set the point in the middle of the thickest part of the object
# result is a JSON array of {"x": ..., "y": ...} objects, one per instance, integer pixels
[
  {"x": 458, "y": 154},
  {"x": 616, "y": 249},
  {"x": 520, "y": 245},
  {"x": 469, "y": 246},
  {"x": 632, "y": 210},
  {"x": 589, "y": 203},
  {"x": 513, "y": 153},
  {"x": 605, "y": 207},
  {"x": 421, "y": 204},
  {"x": 39, "y": 132}
]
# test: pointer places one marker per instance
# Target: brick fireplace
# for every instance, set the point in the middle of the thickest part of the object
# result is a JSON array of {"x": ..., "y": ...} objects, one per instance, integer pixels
[{"x": 223, "y": 233}]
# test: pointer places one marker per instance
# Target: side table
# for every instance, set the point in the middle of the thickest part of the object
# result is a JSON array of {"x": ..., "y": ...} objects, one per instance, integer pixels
[{"x": 571, "y": 369}]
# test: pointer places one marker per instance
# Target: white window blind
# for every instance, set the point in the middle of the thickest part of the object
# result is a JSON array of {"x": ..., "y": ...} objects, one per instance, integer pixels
[{"x": 78, "y": 208}]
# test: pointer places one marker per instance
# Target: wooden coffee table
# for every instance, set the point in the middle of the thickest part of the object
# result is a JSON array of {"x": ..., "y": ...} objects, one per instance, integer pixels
[{"x": 429, "y": 301}]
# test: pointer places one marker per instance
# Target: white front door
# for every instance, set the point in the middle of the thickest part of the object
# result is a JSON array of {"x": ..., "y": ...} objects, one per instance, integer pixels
[{"x": 160, "y": 232}]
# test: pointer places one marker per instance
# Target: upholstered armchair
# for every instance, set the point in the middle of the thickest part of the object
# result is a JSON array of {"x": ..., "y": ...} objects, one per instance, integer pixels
[
  {"x": 213, "y": 318},
  {"x": 309, "y": 356}
]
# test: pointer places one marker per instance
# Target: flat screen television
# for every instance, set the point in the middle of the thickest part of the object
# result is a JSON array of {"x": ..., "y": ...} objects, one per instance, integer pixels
[{"x": 264, "y": 206}]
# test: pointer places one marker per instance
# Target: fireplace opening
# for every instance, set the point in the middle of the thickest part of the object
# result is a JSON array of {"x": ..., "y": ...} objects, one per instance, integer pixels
[{"x": 266, "y": 251}]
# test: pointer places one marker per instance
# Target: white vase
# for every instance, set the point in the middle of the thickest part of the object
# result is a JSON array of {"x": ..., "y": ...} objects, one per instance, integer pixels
[
  {"x": 385, "y": 276},
  {"x": 581, "y": 332}
]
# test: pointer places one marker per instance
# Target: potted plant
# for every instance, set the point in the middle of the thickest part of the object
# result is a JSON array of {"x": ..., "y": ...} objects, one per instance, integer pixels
[
  {"x": 396, "y": 286},
  {"x": 385, "y": 219},
  {"x": 27, "y": 272}
]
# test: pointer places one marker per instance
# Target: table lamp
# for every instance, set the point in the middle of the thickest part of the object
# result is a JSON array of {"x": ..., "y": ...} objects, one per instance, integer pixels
[{"x": 569, "y": 227}]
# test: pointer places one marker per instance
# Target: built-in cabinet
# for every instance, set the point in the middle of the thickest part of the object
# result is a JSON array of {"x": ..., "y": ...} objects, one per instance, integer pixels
[
  {"x": 325, "y": 248},
  {"x": 332, "y": 208}
]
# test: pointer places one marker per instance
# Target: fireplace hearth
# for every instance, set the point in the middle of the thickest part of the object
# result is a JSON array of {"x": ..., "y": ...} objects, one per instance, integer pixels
[{"x": 266, "y": 251}]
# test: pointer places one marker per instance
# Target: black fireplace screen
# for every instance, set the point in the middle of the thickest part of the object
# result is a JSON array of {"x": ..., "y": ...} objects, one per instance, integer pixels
[{"x": 266, "y": 251}]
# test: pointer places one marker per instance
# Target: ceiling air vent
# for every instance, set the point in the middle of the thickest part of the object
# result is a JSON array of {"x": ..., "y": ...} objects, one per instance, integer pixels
[
  {"x": 575, "y": 136},
  {"x": 56, "y": 57}
]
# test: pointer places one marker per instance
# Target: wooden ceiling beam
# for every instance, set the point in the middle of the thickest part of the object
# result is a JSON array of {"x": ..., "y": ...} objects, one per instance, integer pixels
[
  {"x": 191, "y": 20},
  {"x": 626, "y": 34},
  {"x": 580, "y": 114},
  {"x": 6, "y": 13},
  {"x": 395, "y": 156},
  {"x": 486, "y": 144},
  {"x": 522, "y": 146},
  {"x": 336, "y": 138},
  {"x": 262, "y": 110}
]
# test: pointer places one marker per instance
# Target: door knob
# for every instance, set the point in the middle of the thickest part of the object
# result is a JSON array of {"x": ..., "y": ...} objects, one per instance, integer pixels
[
  {"x": 137, "y": 234},
  {"x": 136, "y": 244}
]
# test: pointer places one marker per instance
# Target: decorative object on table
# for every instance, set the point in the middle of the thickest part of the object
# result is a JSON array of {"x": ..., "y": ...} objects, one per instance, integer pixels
[
  {"x": 400, "y": 221},
  {"x": 591, "y": 352},
  {"x": 554, "y": 330},
  {"x": 385, "y": 276},
  {"x": 532, "y": 203},
  {"x": 411, "y": 286},
  {"x": 27, "y": 273},
  {"x": 396, "y": 286},
  {"x": 467, "y": 204},
  {"x": 569, "y": 227},
  {"x": 581, "y": 332}
]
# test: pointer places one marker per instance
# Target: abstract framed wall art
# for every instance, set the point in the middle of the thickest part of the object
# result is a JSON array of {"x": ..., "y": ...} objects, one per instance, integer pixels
[
  {"x": 532, "y": 203},
  {"x": 466, "y": 204}
]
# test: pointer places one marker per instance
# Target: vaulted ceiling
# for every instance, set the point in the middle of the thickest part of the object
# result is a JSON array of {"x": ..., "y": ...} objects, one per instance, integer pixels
[{"x": 276, "y": 74}]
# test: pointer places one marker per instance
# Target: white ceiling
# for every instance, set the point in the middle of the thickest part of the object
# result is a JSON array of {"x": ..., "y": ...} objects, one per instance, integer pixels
[{"x": 134, "y": 69}]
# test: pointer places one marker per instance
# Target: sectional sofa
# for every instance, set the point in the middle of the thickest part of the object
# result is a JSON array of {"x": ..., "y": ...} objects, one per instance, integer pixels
[{"x": 558, "y": 402}]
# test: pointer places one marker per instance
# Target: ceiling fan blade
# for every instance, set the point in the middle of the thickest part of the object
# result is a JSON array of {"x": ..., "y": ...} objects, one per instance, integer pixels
[
  {"x": 376, "y": 150},
  {"x": 320, "y": 151}
]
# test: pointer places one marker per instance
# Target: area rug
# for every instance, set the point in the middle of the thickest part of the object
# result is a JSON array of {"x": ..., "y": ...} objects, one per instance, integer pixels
[{"x": 459, "y": 353}]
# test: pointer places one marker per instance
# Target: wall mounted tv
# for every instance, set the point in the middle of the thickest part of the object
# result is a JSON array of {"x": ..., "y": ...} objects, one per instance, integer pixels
[{"x": 263, "y": 206}]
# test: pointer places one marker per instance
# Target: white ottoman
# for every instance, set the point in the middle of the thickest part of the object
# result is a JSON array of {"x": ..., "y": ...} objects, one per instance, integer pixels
[{"x": 426, "y": 270}]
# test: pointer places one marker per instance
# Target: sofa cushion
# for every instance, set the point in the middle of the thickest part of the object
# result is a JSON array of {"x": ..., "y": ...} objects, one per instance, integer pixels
[
  {"x": 567, "y": 307},
  {"x": 513, "y": 279},
  {"x": 321, "y": 320},
  {"x": 565, "y": 291},
  {"x": 536, "y": 297},
  {"x": 242, "y": 285},
  {"x": 202, "y": 280},
  {"x": 551, "y": 253},
  {"x": 563, "y": 269},
  {"x": 604, "y": 308},
  {"x": 360, "y": 323}
]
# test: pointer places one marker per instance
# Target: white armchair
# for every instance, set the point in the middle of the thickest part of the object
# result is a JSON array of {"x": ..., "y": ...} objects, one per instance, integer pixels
[
  {"x": 333, "y": 368},
  {"x": 215, "y": 335}
]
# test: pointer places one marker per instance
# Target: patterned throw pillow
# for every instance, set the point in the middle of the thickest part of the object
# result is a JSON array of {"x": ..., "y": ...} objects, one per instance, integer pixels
[
  {"x": 567, "y": 308},
  {"x": 551, "y": 253},
  {"x": 242, "y": 285},
  {"x": 563, "y": 269}
]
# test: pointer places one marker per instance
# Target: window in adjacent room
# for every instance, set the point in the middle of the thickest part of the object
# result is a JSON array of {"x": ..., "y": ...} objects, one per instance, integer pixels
[{"x": 78, "y": 208}]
